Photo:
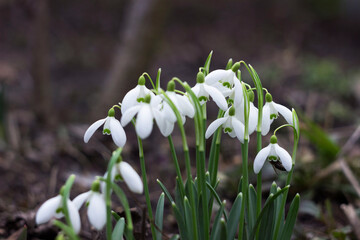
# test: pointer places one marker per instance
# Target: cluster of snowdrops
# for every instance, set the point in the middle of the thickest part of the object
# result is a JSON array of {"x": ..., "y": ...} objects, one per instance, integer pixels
[{"x": 196, "y": 199}]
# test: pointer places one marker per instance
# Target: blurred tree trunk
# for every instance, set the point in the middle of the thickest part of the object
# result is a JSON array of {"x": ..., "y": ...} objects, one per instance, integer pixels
[
  {"x": 39, "y": 44},
  {"x": 140, "y": 39}
]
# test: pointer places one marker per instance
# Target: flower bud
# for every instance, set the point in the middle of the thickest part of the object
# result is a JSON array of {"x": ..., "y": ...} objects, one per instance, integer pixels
[
  {"x": 232, "y": 111},
  {"x": 171, "y": 86},
  {"x": 268, "y": 97},
  {"x": 111, "y": 112},
  {"x": 251, "y": 96},
  {"x": 95, "y": 186},
  {"x": 273, "y": 139},
  {"x": 235, "y": 67}
]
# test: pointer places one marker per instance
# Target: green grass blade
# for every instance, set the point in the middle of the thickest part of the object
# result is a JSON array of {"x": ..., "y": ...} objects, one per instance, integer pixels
[
  {"x": 267, "y": 221},
  {"x": 180, "y": 221},
  {"x": 251, "y": 208},
  {"x": 207, "y": 63},
  {"x": 290, "y": 219},
  {"x": 188, "y": 217},
  {"x": 159, "y": 216},
  {"x": 234, "y": 217}
]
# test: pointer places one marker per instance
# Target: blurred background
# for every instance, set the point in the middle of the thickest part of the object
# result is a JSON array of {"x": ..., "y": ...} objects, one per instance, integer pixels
[{"x": 63, "y": 64}]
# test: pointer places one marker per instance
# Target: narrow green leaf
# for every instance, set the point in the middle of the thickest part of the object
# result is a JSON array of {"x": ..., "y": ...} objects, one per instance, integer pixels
[
  {"x": 180, "y": 221},
  {"x": 223, "y": 230},
  {"x": 167, "y": 194},
  {"x": 188, "y": 217},
  {"x": 115, "y": 215},
  {"x": 216, "y": 224},
  {"x": 159, "y": 216},
  {"x": 290, "y": 219},
  {"x": 207, "y": 63},
  {"x": 179, "y": 197},
  {"x": 175, "y": 237},
  {"x": 216, "y": 196},
  {"x": 69, "y": 231},
  {"x": 267, "y": 221},
  {"x": 229, "y": 64},
  {"x": 269, "y": 201},
  {"x": 252, "y": 207},
  {"x": 158, "y": 78},
  {"x": 118, "y": 229},
  {"x": 234, "y": 217}
]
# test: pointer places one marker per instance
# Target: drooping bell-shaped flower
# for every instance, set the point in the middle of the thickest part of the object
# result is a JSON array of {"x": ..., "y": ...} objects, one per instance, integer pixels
[
  {"x": 146, "y": 112},
  {"x": 123, "y": 171},
  {"x": 136, "y": 95},
  {"x": 203, "y": 91},
  {"x": 271, "y": 111},
  {"x": 112, "y": 127},
  {"x": 276, "y": 155},
  {"x": 223, "y": 80},
  {"x": 53, "y": 208},
  {"x": 96, "y": 211},
  {"x": 253, "y": 114},
  {"x": 229, "y": 123}
]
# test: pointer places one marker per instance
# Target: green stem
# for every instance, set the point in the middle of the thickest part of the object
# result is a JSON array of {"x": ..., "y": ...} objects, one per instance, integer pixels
[
  {"x": 283, "y": 200},
  {"x": 65, "y": 197},
  {"x": 245, "y": 185},
  {"x": 176, "y": 163},
  {"x": 259, "y": 182},
  {"x": 146, "y": 187}
]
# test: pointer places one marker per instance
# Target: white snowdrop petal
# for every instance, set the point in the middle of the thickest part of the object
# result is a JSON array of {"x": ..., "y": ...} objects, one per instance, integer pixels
[
  {"x": 284, "y": 156},
  {"x": 117, "y": 132},
  {"x": 217, "y": 96},
  {"x": 80, "y": 199},
  {"x": 253, "y": 118},
  {"x": 144, "y": 122},
  {"x": 238, "y": 93},
  {"x": 47, "y": 210},
  {"x": 131, "y": 178},
  {"x": 74, "y": 216},
  {"x": 97, "y": 211},
  {"x": 260, "y": 158},
  {"x": 214, "y": 125},
  {"x": 216, "y": 76},
  {"x": 196, "y": 89},
  {"x": 239, "y": 129},
  {"x": 169, "y": 113},
  {"x": 167, "y": 129},
  {"x": 91, "y": 130},
  {"x": 130, "y": 99},
  {"x": 284, "y": 111},
  {"x": 265, "y": 125},
  {"x": 186, "y": 107},
  {"x": 129, "y": 115}
]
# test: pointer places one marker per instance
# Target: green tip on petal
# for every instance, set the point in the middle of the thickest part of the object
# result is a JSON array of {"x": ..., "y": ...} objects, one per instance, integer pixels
[
  {"x": 62, "y": 189},
  {"x": 251, "y": 96},
  {"x": 147, "y": 98},
  {"x": 111, "y": 112},
  {"x": 171, "y": 86},
  {"x": 200, "y": 78},
  {"x": 232, "y": 111},
  {"x": 95, "y": 186},
  {"x": 141, "y": 80},
  {"x": 235, "y": 67},
  {"x": 268, "y": 97},
  {"x": 273, "y": 139}
]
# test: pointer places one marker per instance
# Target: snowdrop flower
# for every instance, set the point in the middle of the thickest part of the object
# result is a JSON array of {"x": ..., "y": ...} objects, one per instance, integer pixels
[
  {"x": 181, "y": 102},
  {"x": 236, "y": 95},
  {"x": 123, "y": 171},
  {"x": 136, "y": 95},
  {"x": 202, "y": 91},
  {"x": 231, "y": 125},
  {"x": 223, "y": 79},
  {"x": 96, "y": 205},
  {"x": 271, "y": 111},
  {"x": 111, "y": 127},
  {"x": 253, "y": 115},
  {"x": 277, "y": 156},
  {"x": 147, "y": 111},
  {"x": 53, "y": 208}
]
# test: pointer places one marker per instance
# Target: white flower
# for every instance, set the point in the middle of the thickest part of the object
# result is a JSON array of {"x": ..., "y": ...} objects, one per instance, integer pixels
[
  {"x": 147, "y": 111},
  {"x": 128, "y": 174},
  {"x": 53, "y": 207},
  {"x": 135, "y": 96},
  {"x": 271, "y": 111},
  {"x": 253, "y": 115},
  {"x": 111, "y": 126},
  {"x": 202, "y": 91},
  {"x": 231, "y": 125},
  {"x": 182, "y": 103},
  {"x": 275, "y": 154},
  {"x": 96, "y": 209}
]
